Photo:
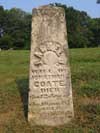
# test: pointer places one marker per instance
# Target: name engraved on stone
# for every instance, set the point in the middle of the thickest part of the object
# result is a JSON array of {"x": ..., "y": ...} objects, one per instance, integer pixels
[{"x": 50, "y": 96}]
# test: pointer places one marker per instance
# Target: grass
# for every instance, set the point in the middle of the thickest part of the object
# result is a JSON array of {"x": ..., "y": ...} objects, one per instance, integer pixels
[{"x": 85, "y": 71}]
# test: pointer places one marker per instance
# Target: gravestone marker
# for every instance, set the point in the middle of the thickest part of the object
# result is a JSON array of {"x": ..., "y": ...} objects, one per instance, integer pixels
[{"x": 50, "y": 95}]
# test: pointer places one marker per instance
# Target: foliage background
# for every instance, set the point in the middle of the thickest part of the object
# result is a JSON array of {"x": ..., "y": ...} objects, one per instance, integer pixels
[{"x": 15, "y": 28}]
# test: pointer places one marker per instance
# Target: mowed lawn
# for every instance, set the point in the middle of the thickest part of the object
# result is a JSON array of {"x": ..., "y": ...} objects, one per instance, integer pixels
[{"x": 14, "y": 73}]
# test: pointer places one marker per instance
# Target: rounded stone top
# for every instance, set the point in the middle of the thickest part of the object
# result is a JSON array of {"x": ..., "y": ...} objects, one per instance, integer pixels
[{"x": 48, "y": 10}]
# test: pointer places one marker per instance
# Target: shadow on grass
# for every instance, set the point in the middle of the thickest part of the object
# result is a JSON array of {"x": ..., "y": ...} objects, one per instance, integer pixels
[{"x": 23, "y": 87}]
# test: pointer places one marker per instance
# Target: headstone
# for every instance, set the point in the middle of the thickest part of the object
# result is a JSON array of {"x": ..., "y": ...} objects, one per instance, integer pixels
[
  {"x": 50, "y": 90},
  {"x": 11, "y": 49}
]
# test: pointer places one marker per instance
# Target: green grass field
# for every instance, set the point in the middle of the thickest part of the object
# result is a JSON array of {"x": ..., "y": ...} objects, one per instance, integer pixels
[{"x": 14, "y": 73}]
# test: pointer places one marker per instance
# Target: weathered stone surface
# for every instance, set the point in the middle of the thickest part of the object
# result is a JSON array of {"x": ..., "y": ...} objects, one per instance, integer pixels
[{"x": 50, "y": 95}]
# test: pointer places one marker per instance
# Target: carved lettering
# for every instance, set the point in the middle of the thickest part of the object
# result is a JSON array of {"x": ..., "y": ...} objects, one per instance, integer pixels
[{"x": 50, "y": 97}]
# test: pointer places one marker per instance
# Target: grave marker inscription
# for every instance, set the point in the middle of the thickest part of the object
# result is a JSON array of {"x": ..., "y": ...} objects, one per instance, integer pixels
[{"x": 50, "y": 95}]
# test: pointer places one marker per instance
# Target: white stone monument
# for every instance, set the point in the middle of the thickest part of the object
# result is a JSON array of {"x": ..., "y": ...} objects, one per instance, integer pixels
[{"x": 50, "y": 90}]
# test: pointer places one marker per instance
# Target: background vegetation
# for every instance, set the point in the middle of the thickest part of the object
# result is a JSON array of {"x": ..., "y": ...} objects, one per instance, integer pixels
[
  {"x": 14, "y": 73},
  {"x": 15, "y": 28}
]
